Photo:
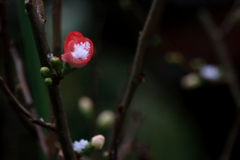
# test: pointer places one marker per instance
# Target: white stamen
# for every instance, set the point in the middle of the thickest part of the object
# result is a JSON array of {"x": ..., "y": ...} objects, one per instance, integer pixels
[
  {"x": 81, "y": 50},
  {"x": 79, "y": 146}
]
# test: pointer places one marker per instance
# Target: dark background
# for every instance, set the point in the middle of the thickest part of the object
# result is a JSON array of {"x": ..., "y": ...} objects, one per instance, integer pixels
[{"x": 178, "y": 123}]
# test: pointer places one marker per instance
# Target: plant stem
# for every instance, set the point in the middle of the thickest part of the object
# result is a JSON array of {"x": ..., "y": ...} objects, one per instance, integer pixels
[
  {"x": 223, "y": 55},
  {"x": 56, "y": 28},
  {"x": 136, "y": 75},
  {"x": 37, "y": 19}
]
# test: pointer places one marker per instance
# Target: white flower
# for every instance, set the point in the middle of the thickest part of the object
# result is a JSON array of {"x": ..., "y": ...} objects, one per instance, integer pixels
[
  {"x": 97, "y": 141},
  {"x": 210, "y": 72},
  {"x": 79, "y": 146}
]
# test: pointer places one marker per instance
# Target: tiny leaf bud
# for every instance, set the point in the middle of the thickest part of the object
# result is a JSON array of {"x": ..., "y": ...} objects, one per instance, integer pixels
[
  {"x": 48, "y": 81},
  {"x": 45, "y": 72}
]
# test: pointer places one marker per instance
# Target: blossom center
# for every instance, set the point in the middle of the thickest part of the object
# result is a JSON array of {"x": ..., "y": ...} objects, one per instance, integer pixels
[{"x": 81, "y": 50}]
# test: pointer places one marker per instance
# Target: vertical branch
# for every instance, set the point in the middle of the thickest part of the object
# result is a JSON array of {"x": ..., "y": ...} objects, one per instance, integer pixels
[
  {"x": 56, "y": 28},
  {"x": 136, "y": 75},
  {"x": 8, "y": 70},
  {"x": 223, "y": 55},
  {"x": 37, "y": 20},
  {"x": 27, "y": 97}
]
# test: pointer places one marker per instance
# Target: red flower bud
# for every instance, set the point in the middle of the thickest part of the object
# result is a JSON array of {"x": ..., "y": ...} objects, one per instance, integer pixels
[{"x": 78, "y": 50}]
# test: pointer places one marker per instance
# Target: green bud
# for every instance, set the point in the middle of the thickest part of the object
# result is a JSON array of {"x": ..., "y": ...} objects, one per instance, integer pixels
[
  {"x": 56, "y": 64},
  {"x": 45, "y": 72},
  {"x": 48, "y": 81},
  {"x": 67, "y": 69},
  {"x": 174, "y": 58}
]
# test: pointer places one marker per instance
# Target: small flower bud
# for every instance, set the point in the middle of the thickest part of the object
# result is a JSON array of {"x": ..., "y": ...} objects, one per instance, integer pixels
[
  {"x": 56, "y": 64},
  {"x": 85, "y": 105},
  {"x": 48, "y": 81},
  {"x": 97, "y": 142},
  {"x": 105, "y": 119},
  {"x": 191, "y": 80},
  {"x": 45, "y": 72}
]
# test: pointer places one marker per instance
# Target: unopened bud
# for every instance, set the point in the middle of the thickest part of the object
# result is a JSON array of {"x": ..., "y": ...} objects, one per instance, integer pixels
[
  {"x": 45, "y": 72},
  {"x": 85, "y": 105},
  {"x": 48, "y": 81},
  {"x": 97, "y": 142},
  {"x": 56, "y": 64},
  {"x": 191, "y": 80},
  {"x": 105, "y": 119}
]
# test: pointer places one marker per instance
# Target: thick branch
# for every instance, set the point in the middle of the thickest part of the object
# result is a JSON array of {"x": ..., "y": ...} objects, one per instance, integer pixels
[
  {"x": 56, "y": 21},
  {"x": 223, "y": 55},
  {"x": 35, "y": 13},
  {"x": 18, "y": 106},
  {"x": 136, "y": 75}
]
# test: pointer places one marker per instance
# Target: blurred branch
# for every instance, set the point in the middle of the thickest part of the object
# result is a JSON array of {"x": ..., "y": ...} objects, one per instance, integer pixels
[
  {"x": 131, "y": 131},
  {"x": 27, "y": 96},
  {"x": 37, "y": 20},
  {"x": 223, "y": 55},
  {"x": 25, "y": 112},
  {"x": 8, "y": 70},
  {"x": 136, "y": 75},
  {"x": 56, "y": 28},
  {"x": 227, "y": 25}
]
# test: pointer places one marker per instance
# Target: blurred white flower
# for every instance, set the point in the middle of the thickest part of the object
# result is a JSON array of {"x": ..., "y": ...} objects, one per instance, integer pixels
[
  {"x": 210, "y": 72},
  {"x": 105, "y": 119},
  {"x": 85, "y": 105},
  {"x": 79, "y": 146},
  {"x": 192, "y": 80}
]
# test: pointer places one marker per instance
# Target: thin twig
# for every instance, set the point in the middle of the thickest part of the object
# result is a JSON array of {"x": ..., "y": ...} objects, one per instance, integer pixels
[
  {"x": 223, "y": 55},
  {"x": 18, "y": 106},
  {"x": 56, "y": 28},
  {"x": 27, "y": 96},
  {"x": 136, "y": 75},
  {"x": 131, "y": 130},
  {"x": 227, "y": 25},
  {"x": 37, "y": 20}
]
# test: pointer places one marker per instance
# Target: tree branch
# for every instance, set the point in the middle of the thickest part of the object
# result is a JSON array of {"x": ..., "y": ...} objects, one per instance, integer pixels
[
  {"x": 27, "y": 97},
  {"x": 56, "y": 28},
  {"x": 136, "y": 75},
  {"x": 223, "y": 55},
  {"x": 37, "y": 20},
  {"x": 7, "y": 63},
  {"x": 18, "y": 106}
]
